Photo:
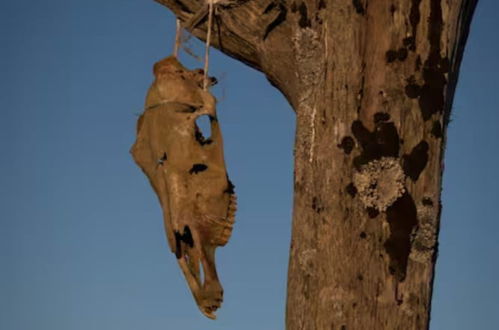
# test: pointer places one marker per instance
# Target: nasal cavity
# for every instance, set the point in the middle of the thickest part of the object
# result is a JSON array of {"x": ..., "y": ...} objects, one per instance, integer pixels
[{"x": 203, "y": 129}]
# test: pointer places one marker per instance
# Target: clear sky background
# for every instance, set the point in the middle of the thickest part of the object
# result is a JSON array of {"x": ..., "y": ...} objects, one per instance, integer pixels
[{"x": 82, "y": 245}]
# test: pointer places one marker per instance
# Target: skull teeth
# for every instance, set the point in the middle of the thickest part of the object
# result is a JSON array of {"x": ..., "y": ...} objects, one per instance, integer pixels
[
  {"x": 223, "y": 227},
  {"x": 232, "y": 208}
]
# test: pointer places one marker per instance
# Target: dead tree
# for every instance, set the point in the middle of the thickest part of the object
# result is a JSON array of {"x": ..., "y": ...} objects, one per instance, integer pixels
[{"x": 371, "y": 83}]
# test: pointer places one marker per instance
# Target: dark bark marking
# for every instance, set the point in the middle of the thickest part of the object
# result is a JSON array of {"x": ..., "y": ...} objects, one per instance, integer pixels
[
  {"x": 432, "y": 100},
  {"x": 435, "y": 29},
  {"x": 372, "y": 212},
  {"x": 436, "y": 130},
  {"x": 387, "y": 137},
  {"x": 414, "y": 18},
  {"x": 415, "y": 162},
  {"x": 380, "y": 117},
  {"x": 186, "y": 237},
  {"x": 361, "y": 133},
  {"x": 418, "y": 63},
  {"x": 445, "y": 65},
  {"x": 412, "y": 89},
  {"x": 393, "y": 9},
  {"x": 397, "y": 299},
  {"x": 361, "y": 90},
  {"x": 281, "y": 17},
  {"x": 362, "y": 235},
  {"x": 402, "y": 54},
  {"x": 393, "y": 55},
  {"x": 408, "y": 41},
  {"x": 196, "y": 168},
  {"x": 318, "y": 19},
  {"x": 383, "y": 142},
  {"x": 322, "y": 4},
  {"x": 271, "y": 6},
  {"x": 359, "y": 7},
  {"x": 351, "y": 190},
  {"x": 316, "y": 205},
  {"x": 427, "y": 201},
  {"x": 347, "y": 144},
  {"x": 304, "y": 21},
  {"x": 402, "y": 218}
]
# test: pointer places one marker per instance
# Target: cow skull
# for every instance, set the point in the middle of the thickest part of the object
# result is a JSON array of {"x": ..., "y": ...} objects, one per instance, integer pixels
[{"x": 188, "y": 174}]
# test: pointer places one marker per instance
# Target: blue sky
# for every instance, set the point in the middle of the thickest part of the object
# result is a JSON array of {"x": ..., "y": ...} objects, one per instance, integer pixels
[{"x": 81, "y": 239}]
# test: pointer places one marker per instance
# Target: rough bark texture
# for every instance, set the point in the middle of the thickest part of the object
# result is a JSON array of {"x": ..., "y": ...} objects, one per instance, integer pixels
[{"x": 371, "y": 82}]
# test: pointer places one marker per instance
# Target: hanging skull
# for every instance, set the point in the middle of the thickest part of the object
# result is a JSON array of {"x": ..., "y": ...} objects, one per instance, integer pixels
[{"x": 187, "y": 172}]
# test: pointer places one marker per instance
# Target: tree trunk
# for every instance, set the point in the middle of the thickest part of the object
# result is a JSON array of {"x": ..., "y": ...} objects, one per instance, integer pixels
[{"x": 372, "y": 83}]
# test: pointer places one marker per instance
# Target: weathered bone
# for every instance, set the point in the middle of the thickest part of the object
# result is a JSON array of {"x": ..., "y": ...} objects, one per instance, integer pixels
[{"x": 187, "y": 172}]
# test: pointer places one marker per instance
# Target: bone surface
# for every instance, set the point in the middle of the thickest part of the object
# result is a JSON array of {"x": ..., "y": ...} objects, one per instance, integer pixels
[{"x": 187, "y": 171}]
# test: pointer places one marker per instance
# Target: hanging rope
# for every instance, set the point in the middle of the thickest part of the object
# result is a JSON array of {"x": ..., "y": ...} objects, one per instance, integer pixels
[
  {"x": 178, "y": 42},
  {"x": 208, "y": 40},
  {"x": 178, "y": 39}
]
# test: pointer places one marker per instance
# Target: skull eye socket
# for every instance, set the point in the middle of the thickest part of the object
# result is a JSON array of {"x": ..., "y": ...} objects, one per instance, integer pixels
[{"x": 202, "y": 130}]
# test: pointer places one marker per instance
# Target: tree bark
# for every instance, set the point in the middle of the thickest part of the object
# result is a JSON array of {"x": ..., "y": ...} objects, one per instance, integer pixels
[{"x": 372, "y": 83}]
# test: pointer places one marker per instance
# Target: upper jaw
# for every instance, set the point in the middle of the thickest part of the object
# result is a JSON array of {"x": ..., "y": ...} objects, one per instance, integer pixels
[{"x": 207, "y": 292}]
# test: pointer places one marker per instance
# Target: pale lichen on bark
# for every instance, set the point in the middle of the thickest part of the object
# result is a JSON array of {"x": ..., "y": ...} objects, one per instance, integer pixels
[
  {"x": 424, "y": 238},
  {"x": 380, "y": 183},
  {"x": 308, "y": 54}
]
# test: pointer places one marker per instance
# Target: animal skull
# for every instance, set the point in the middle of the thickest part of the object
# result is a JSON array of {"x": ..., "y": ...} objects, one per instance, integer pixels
[{"x": 188, "y": 174}]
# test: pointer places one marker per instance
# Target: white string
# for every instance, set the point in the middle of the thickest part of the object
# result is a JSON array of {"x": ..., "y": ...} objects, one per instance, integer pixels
[{"x": 177, "y": 39}]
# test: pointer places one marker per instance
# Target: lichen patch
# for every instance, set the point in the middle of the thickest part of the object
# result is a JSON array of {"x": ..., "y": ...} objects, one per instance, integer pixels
[
  {"x": 424, "y": 238},
  {"x": 379, "y": 183},
  {"x": 308, "y": 49}
]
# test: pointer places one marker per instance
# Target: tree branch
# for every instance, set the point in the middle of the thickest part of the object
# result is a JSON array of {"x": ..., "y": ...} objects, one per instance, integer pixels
[
  {"x": 254, "y": 32},
  {"x": 236, "y": 30}
]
